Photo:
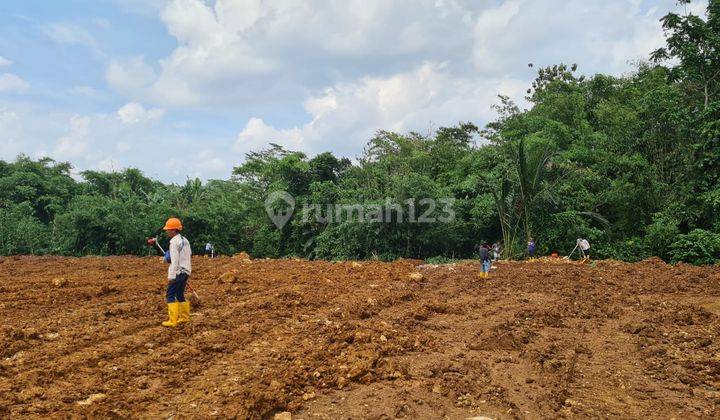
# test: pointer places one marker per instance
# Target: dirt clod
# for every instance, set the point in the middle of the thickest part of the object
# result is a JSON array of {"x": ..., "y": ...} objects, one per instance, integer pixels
[
  {"x": 91, "y": 399},
  {"x": 379, "y": 340},
  {"x": 59, "y": 282},
  {"x": 242, "y": 256},
  {"x": 416, "y": 276}
]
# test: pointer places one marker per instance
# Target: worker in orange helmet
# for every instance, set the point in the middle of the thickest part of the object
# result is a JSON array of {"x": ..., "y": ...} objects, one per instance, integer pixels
[{"x": 179, "y": 271}]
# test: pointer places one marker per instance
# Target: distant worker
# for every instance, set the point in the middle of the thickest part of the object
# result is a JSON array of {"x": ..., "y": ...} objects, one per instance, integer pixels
[
  {"x": 179, "y": 271},
  {"x": 496, "y": 251},
  {"x": 531, "y": 249},
  {"x": 584, "y": 246},
  {"x": 209, "y": 250},
  {"x": 485, "y": 260}
]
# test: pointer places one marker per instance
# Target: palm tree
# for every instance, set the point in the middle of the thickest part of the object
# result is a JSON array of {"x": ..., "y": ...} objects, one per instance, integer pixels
[{"x": 532, "y": 170}]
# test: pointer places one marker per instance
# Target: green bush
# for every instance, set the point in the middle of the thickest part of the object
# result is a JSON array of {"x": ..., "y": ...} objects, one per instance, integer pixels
[
  {"x": 440, "y": 260},
  {"x": 631, "y": 250},
  {"x": 699, "y": 247},
  {"x": 21, "y": 232},
  {"x": 660, "y": 235}
]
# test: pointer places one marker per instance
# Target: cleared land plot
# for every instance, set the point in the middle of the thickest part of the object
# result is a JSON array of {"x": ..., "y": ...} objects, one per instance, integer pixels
[{"x": 82, "y": 337}]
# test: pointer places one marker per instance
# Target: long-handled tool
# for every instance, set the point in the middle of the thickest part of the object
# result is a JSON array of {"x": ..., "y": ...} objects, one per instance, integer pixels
[
  {"x": 154, "y": 241},
  {"x": 571, "y": 252}
]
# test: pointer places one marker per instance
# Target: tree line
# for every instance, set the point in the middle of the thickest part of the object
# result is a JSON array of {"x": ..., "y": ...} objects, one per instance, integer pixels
[{"x": 632, "y": 163}]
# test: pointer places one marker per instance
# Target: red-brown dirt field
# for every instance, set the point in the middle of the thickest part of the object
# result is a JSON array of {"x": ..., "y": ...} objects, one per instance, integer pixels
[{"x": 81, "y": 337}]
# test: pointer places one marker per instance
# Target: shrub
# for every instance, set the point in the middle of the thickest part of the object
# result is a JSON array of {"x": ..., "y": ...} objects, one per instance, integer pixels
[
  {"x": 699, "y": 247},
  {"x": 660, "y": 235},
  {"x": 631, "y": 250},
  {"x": 21, "y": 232},
  {"x": 440, "y": 260}
]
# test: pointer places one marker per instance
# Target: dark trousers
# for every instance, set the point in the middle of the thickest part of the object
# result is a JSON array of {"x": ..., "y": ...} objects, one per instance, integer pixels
[{"x": 176, "y": 288}]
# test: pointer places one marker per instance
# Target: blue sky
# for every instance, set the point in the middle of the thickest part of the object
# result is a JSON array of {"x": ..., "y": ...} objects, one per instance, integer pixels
[{"x": 184, "y": 88}]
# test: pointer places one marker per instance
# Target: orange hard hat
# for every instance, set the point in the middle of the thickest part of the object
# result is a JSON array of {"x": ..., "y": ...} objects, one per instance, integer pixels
[{"x": 173, "y": 223}]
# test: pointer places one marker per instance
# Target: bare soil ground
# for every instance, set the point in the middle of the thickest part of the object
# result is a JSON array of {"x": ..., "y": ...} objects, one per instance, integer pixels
[{"x": 81, "y": 337}]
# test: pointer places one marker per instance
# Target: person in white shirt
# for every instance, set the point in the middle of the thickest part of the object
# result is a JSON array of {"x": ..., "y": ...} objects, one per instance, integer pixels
[
  {"x": 179, "y": 270},
  {"x": 584, "y": 246},
  {"x": 209, "y": 250}
]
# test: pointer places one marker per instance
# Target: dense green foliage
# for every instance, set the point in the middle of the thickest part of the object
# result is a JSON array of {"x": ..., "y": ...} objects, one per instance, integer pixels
[{"x": 632, "y": 163}]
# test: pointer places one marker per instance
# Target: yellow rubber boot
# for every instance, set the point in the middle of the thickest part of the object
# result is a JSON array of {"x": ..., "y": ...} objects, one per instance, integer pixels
[
  {"x": 173, "y": 312},
  {"x": 184, "y": 315}
]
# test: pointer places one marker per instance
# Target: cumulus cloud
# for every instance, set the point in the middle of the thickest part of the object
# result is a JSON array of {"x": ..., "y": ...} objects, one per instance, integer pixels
[
  {"x": 204, "y": 162},
  {"x": 75, "y": 142},
  {"x": 257, "y": 134},
  {"x": 104, "y": 142},
  {"x": 422, "y": 99},
  {"x": 233, "y": 51},
  {"x": 4, "y": 62},
  {"x": 27, "y": 130},
  {"x": 135, "y": 113},
  {"x": 316, "y": 75},
  {"x": 600, "y": 35},
  {"x": 131, "y": 76},
  {"x": 11, "y": 83},
  {"x": 240, "y": 52}
]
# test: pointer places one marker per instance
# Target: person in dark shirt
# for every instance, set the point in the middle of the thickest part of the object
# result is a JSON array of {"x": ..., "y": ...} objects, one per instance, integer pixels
[
  {"x": 531, "y": 249},
  {"x": 485, "y": 260}
]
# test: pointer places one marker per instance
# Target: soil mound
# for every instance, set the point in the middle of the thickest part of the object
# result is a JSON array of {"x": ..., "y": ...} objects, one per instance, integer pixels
[{"x": 313, "y": 339}]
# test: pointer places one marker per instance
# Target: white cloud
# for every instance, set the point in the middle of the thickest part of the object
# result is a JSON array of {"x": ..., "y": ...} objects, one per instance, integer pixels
[
  {"x": 123, "y": 147},
  {"x": 599, "y": 35},
  {"x": 698, "y": 8},
  {"x": 108, "y": 165},
  {"x": 256, "y": 135},
  {"x": 349, "y": 114},
  {"x": 233, "y": 51},
  {"x": 5, "y": 62},
  {"x": 11, "y": 83},
  {"x": 203, "y": 163},
  {"x": 24, "y": 130},
  {"x": 243, "y": 53},
  {"x": 146, "y": 8},
  {"x": 88, "y": 91},
  {"x": 317, "y": 75},
  {"x": 71, "y": 34},
  {"x": 131, "y": 76},
  {"x": 6, "y": 116},
  {"x": 8, "y": 120},
  {"x": 135, "y": 113},
  {"x": 74, "y": 143},
  {"x": 492, "y": 24},
  {"x": 104, "y": 142}
]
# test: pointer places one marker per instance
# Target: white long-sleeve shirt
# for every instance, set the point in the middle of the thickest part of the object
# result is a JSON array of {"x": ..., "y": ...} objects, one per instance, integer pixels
[
  {"x": 583, "y": 244},
  {"x": 180, "y": 254}
]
